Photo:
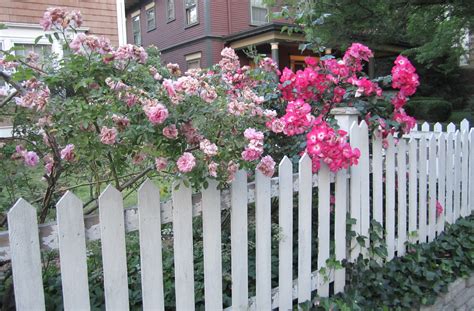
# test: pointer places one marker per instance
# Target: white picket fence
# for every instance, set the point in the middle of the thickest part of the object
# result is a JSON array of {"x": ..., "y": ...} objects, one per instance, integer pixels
[{"x": 397, "y": 186}]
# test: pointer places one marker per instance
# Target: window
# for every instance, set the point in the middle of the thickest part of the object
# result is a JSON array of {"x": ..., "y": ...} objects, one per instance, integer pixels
[
  {"x": 258, "y": 12},
  {"x": 137, "y": 33},
  {"x": 150, "y": 16},
  {"x": 43, "y": 50},
  {"x": 191, "y": 11},
  {"x": 193, "y": 61},
  {"x": 170, "y": 10}
]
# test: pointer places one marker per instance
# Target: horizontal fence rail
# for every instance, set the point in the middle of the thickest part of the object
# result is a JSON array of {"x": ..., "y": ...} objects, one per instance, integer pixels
[{"x": 410, "y": 186}]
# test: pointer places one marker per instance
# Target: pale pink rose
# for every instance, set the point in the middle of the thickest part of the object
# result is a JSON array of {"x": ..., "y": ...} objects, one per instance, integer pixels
[
  {"x": 267, "y": 166},
  {"x": 108, "y": 135},
  {"x": 160, "y": 163},
  {"x": 208, "y": 148},
  {"x": 170, "y": 131},
  {"x": 186, "y": 162},
  {"x": 232, "y": 168},
  {"x": 277, "y": 125},
  {"x": 68, "y": 153},
  {"x": 31, "y": 158},
  {"x": 121, "y": 122},
  {"x": 156, "y": 112},
  {"x": 213, "y": 169}
]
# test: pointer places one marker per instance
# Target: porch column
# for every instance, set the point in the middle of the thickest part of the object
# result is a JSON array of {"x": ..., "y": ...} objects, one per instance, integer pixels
[
  {"x": 345, "y": 116},
  {"x": 121, "y": 22},
  {"x": 275, "y": 55}
]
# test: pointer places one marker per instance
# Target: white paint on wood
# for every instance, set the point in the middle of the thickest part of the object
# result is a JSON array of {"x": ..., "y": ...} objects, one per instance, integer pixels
[
  {"x": 25, "y": 257},
  {"x": 377, "y": 179},
  {"x": 402, "y": 196},
  {"x": 465, "y": 210},
  {"x": 471, "y": 170},
  {"x": 263, "y": 242},
  {"x": 457, "y": 176},
  {"x": 304, "y": 229},
  {"x": 464, "y": 126},
  {"x": 285, "y": 219},
  {"x": 438, "y": 127},
  {"x": 355, "y": 195},
  {"x": 413, "y": 189},
  {"x": 339, "y": 228},
  {"x": 112, "y": 229},
  {"x": 323, "y": 227},
  {"x": 449, "y": 178},
  {"x": 441, "y": 181},
  {"x": 423, "y": 182},
  {"x": 149, "y": 218},
  {"x": 239, "y": 238},
  {"x": 451, "y": 128},
  {"x": 425, "y": 127},
  {"x": 390, "y": 198},
  {"x": 432, "y": 189},
  {"x": 183, "y": 247},
  {"x": 364, "y": 169},
  {"x": 211, "y": 223},
  {"x": 72, "y": 253}
]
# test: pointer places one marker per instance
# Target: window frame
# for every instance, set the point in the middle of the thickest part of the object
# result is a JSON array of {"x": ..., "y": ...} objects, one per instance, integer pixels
[
  {"x": 150, "y": 8},
  {"x": 134, "y": 16},
  {"x": 263, "y": 6},
  {"x": 193, "y": 57},
  {"x": 170, "y": 4},
  {"x": 190, "y": 7}
]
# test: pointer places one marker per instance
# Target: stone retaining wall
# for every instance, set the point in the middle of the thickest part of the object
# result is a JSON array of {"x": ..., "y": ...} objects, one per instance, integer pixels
[{"x": 460, "y": 297}]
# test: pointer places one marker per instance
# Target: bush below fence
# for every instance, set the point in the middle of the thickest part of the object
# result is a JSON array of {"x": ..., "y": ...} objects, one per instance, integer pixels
[{"x": 434, "y": 169}]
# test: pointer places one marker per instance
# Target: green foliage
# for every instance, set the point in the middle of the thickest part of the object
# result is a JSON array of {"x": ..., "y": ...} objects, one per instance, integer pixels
[
  {"x": 407, "y": 282},
  {"x": 431, "y": 109}
]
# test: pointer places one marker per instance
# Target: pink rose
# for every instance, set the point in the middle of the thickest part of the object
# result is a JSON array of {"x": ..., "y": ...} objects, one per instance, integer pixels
[
  {"x": 267, "y": 166},
  {"x": 186, "y": 162},
  {"x": 156, "y": 112},
  {"x": 160, "y": 163},
  {"x": 31, "y": 158},
  {"x": 208, "y": 148},
  {"x": 108, "y": 135},
  {"x": 68, "y": 153},
  {"x": 170, "y": 131},
  {"x": 213, "y": 169}
]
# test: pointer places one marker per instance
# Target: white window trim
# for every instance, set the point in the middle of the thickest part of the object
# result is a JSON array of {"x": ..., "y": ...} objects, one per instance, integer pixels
[
  {"x": 252, "y": 22},
  {"x": 136, "y": 13},
  {"x": 149, "y": 6},
  {"x": 194, "y": 56}
]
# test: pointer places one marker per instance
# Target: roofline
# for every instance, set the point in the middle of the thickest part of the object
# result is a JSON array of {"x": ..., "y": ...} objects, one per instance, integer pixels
[{"x": 275, "y": 26}]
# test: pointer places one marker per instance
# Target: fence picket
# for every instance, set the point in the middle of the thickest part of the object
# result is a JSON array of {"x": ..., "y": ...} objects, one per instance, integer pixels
[
  {"x": 149, "y": 219},
  {"x": 438, "y": 128},
  {"x": 211, "y": 223},
  {"x": 451, "y": 128},
  {"x": 432, "y": 189},
  {"x": 323, "y": 227},
  {"x": 390, "y": 198},
  {"x": 263, "y": 241},
  {"x": 441, "y": 180},
  {"x": 464, "y": 126},
  {"x": 340, "y": 235},
  {"x": 72, "y": 253},
  {"x": 423, "y": 182},
  {"x": 425, "y": 127},
  {"x": 285, "y": 219},
  {"x": 449, "y": 178},
  {"x": 364, "y": 169},
  {"x": 413, "y": 189},
  {"x": 25, "y": 257},
  {"x": 377, "y": 179},
  {"x": 471, "y": 170},
  {"x": 183, "y": 247},
  {"x": 402, "y": 196},
  {"x": 457, "y": 176},
  {"x": 239, "y": 242},
  {"x": 465, "y": 210},
  {"x": 112, "y": 230},
  {"x": 355, "y": 194},
  {"x": 304, "y": 228}
]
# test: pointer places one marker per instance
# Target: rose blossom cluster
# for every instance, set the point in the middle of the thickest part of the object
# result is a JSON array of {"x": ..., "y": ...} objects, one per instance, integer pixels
[
  {"x": 36, "y": 95},
  {"x": 60, "y": 18},
  {"x": 254, "y": 149},
  {"x": 323, "y": 143},
  {"x": 82, "y": 43},
  {"x": 30, "y": 158}
]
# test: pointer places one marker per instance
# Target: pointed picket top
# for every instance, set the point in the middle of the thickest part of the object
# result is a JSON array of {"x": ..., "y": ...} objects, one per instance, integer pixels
[
  {"x": 425, "y": 127},
  {"x": 109, "y": 192},
  {"x": 451, "y": 128},
  {"x": 363, "y": 125},
  {"x": 471, "y": 132},
  {"x": 285, "y": 164},
  {"x": 147, "y": 187},
  {"x": 354, "y": 128},
  {"x": 67, "y": 200},
  {"x": 305, "y": 161},
  {"x": 415, "y": 128},
  {"x": 438, "y": 127},
  {"x": 464, "y": 125},
  {"x": 21, "y": 206}
]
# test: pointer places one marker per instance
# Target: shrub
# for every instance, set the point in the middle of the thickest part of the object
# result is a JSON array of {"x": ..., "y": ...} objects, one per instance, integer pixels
[{"x": 432, "y": 109}]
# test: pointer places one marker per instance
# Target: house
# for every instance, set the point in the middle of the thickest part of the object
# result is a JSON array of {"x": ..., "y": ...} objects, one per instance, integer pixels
[{"x": 192, "y": 33}]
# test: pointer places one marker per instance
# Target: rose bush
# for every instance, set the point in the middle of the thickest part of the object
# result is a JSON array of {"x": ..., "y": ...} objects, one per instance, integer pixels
[{"x": 105, "y": 114}]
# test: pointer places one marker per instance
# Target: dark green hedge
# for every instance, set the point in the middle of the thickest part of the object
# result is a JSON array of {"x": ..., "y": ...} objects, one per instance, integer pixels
[{"x": 431, "y": 109}]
